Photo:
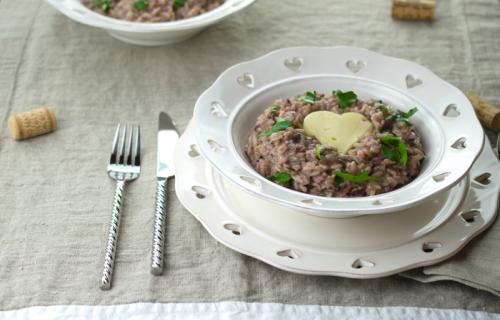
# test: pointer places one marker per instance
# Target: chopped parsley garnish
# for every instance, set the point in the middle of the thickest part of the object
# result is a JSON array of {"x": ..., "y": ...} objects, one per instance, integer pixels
[
  {"x": 394, "y": 149},
  {"x": 318, "y": 152},
  {"x": 408, "y": 114},
  {"x": 280, "y": 125},
  {"x": 384, "y": 109},
  {"x": 337, "y": 181},
  {"x": 179, "y": 4},
  {"x": 274, "y": 109},
  {"x": 281, "y": 178},
  {"x": 340, "y": 177},
  {"x": 402, "y": 116},
  {"x": 345, "y": 99},
  {"x": 309, "y": 97},
  {"x": 104, "y": 4},
  {"x": 140, "y": 5}
]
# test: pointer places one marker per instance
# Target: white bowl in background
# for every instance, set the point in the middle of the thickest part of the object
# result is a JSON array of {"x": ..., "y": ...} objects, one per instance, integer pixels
[
  {"x": 225, "y": 113},
  {"x": 148, "y": 34}
]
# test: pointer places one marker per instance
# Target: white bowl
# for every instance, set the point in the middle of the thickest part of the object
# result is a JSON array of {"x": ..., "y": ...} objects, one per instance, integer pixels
[
  {"x": 363, "y": 247},
  {"x": 148, "y": 34},
  {"x": 226, "y": 112}
]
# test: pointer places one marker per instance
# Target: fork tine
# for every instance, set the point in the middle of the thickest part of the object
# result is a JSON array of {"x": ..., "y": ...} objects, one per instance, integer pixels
[
  {"x": 112, "y": 160},
  {"x": 122, "y": 145},
  {"x": 137, "y": 161},
  {"x": 129, "y": 146}
]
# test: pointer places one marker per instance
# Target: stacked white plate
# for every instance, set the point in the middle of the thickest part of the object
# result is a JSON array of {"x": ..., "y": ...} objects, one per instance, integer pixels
[{"x": 454, "y": 198}]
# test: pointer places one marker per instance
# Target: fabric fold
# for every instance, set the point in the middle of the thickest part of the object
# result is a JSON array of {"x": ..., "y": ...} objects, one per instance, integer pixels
[{"x": 477, "y": 265}]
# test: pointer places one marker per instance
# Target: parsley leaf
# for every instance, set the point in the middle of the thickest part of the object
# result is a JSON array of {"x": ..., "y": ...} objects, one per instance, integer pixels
[
  {"x": 337, "y": 181},
  {"x": 179, "y": 4},
  {"x": 280, "y": 125},
  {"x": 408, "y": 114},
  {"x": 391, "y": 154},
  {"x": 318, "y": 152},
  {"x": 140, "y": 5},
  {"x": 390, "y": 140},
  {"x": 346, "y": 99},
  {"x": 384, "y": 109},
  {"x": 274, "y": 109},
  {"x": 309, "y": 97},
  {"x": 281, "y": 178},
  {"x": 402, "y": 116},
  {"x": 394, "y": 149},
  {"x": 363, "y": 177},
  {"x": 105, "y": 5}
]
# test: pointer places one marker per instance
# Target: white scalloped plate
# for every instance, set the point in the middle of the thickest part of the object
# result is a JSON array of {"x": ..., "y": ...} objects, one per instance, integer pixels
[
  {"x": 226, "y": 112},
  {"x": 362, "y": 247},
  {"x": 148, "y": 34}
]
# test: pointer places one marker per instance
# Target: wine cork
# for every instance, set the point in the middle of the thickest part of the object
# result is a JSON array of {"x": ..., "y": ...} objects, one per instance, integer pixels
[
  {"x": 32, "y": 123},
  {"x": 413, "y": 9},
  {"x": 487, "y": 113}
]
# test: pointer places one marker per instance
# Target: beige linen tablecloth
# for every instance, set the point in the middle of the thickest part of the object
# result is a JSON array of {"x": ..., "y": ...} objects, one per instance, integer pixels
[{"x": 55, "y": 197}]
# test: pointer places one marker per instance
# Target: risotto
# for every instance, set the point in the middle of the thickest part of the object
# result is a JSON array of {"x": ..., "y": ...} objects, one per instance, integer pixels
[
  {"x": 388, "y": 156},
  {"x": 152, "y": 10}
]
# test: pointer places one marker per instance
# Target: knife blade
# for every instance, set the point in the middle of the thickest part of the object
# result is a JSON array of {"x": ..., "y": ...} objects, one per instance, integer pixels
[{"x": 167, "y": 139}]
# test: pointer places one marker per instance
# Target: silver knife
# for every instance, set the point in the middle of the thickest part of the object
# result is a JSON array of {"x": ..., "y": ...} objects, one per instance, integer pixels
[{"x": 167, "y": 139}]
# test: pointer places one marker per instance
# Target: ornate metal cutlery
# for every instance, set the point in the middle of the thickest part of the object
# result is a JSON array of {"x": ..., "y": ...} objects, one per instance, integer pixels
[
  {"x": 167, "y": 138},
  {"x": 123, "y": 166}
]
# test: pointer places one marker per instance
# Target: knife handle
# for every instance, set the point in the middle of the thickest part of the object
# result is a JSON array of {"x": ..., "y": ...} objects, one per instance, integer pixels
[{"x": 159, "y": 227}]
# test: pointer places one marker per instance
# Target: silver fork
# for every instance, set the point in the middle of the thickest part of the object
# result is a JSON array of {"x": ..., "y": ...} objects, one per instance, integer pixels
[{"x": 123, "y": 166}]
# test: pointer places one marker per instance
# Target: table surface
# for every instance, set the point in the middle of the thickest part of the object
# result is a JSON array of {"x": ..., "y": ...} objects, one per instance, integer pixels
[{"x": 55, "y": 197}]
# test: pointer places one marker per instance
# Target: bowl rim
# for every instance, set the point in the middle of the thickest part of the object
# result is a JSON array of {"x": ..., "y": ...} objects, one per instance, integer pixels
[
  {"x": 75, "y": 10},
  {"x": 337, "y": 205}
]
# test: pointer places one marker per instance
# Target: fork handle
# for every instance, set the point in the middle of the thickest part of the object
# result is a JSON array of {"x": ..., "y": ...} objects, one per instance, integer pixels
[
  {"x": 159, "y": 227},
  {"x": 113, "y": 231}
]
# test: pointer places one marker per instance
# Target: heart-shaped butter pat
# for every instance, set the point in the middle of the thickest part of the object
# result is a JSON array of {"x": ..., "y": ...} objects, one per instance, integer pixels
[{"x": 337, "y": 130}]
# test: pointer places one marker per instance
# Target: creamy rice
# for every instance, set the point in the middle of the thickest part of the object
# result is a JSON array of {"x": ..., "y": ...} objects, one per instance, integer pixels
[
  {"x": 292, "y": 152},
  {"x": 152, "y": 10}
]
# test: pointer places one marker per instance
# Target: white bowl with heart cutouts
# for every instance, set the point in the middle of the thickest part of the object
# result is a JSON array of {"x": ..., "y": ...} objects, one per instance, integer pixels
[
  {"x": 147, "y": 33},
  {"x": 226, "y": 112}
]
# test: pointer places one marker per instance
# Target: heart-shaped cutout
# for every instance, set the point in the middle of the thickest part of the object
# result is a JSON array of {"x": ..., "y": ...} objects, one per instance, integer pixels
[
  {"x": 483, "y": 178},
  {"x": 451, "y": 111},
  {"x": 459, "y": 144},
  {"x": 217, "y": 110},
  {"x": 469, "y": 217},
  {"x": 233, "y": 227},
  {"x": 193, "y": 151},
  {"x": 251, "y": 181},
  {"x": 200, "y": 192},
  {"x": 429, "y": 247},
  {"x": 246, "y": 80},
  {"x": 440, "y": 177},
  {"x": 288, "y": 253},
  {"x": 294, "y": 63},
  {"x": 215, "y": 146},
  {"x": 362, "y": 263},
  {"x": 311, "y": 201},
  {"x": 355, "y": 65},
  {"x": 337, "y": 130},
  {"x": 412, "y": 82}
]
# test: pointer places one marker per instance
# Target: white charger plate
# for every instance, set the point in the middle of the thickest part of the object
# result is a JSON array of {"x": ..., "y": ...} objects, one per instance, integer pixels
[
  {"x": 366, "y": 246},
  {"x": 226, "y": 112}
]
